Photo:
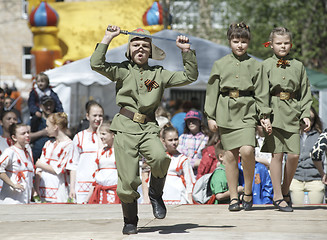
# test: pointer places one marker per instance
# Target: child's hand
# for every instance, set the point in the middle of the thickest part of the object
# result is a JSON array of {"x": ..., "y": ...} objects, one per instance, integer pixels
[
  {"x": 18, "y": 186},
  {"x": 38, "y": 114},
  {"x": 212, "y": 125},
  {"x": 112, "y": 31},
  {"x": 266, "y": 124},
  {"x": 307, "y": 124},
  {"x": 182, "y": 43},
  {"x": 324, "y": 179},
  {"x": 72, "y": 193}
]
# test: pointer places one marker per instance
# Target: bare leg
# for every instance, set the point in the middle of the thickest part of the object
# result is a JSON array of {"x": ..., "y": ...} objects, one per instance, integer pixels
[
  {"x": 276, "y": 176},
  {"x": 230, "y": 162},
  {"x": 289, "y": 171},
  {"x": 248, "y": 163},
  {"x": 145, "y": 187}
]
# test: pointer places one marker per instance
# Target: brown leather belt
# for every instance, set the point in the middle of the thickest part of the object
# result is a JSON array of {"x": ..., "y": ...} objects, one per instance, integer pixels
[
  {"x": 237, "y": 93},
  {"x": 136, "y": 117},
  {"x": 285, "y": 95}
]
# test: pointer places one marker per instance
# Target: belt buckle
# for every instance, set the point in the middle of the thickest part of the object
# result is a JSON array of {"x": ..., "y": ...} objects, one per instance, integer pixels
[
  {"x": 138, "y": 117},
  {"x": 234, "y": 93},
  {"x": 284, "y": 95}
]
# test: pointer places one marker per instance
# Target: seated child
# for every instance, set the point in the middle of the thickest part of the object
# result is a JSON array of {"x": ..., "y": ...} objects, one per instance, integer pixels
[
  {"x": 218, "y": 182},
  {"x": 193, "y": 140},
  {"x": 262, "y": 187}
]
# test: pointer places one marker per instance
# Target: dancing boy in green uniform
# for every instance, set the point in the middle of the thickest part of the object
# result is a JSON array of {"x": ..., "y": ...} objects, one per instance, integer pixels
[
  {"x": 234, "y": 100},
  {"x": 139, "y": 89},
  {"x": 291, "y": 101}
]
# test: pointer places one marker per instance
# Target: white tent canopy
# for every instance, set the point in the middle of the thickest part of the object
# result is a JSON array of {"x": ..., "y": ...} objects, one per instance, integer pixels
[{"x": 76, "y": 82}]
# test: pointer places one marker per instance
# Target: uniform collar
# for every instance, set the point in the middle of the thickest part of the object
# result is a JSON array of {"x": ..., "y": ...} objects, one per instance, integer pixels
[
  {"x": 140, "y": 67},
  {"x": 245, "y": 56},
  {"x": 287, "y": 57}
]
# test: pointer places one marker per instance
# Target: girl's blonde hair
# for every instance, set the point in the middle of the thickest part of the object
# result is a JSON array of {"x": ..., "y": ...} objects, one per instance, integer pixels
[
  {"x": 60, "y": 119},
  {"x": 279, "y": 31},
  {"x": 106, "y": 125},
  {"x": 238, "y": 30}
]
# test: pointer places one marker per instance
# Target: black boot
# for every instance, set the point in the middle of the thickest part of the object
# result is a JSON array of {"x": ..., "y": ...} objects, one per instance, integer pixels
[
  {"x": 155, "y": 195},
  {"x": 130, "y": 217}
]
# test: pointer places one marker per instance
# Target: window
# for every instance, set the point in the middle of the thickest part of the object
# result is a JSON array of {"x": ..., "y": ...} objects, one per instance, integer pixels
[
  {"x": 24, "y": 9},
  {"x": 27, "y": 63}
]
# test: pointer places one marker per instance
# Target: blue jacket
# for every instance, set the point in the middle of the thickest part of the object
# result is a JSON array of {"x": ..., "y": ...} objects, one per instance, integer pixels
[{"x": 262, "y": 187}]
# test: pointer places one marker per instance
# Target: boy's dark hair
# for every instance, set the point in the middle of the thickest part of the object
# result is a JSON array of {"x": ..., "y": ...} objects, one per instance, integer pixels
[{"x": 238, "y": 30}]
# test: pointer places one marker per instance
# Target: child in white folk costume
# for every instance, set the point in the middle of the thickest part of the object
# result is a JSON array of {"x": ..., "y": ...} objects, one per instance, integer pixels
[
  {"x": 17, "y": 168},
  {"x": 7, "y": 119},
  {"x": 52, "y": 181},
  {"x": 180, "y": 177},
  {"x": 104, "y": 188},
  {"x": 83, "y": 164}
]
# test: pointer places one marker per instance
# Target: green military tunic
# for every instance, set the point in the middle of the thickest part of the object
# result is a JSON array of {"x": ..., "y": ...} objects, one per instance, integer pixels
[
  {"x": 236, "y": 116},
  {"x": 131, "y": 90},
  {"x": 287, "y": 114},
  {"x": 132, "y": 93}
]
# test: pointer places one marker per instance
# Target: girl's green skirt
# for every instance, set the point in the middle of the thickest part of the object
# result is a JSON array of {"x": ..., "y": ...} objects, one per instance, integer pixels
[
  {"x": 281, "y": 141},
  {"x": 235, "y": 138}
]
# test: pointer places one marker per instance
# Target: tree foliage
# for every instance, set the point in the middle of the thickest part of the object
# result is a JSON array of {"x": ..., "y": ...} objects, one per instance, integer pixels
[{"x": 307, "y": 20}]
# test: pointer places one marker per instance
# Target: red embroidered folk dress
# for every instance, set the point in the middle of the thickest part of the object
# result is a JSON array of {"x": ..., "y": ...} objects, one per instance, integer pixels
[
  {"x": 85, "y": 144},
  {"x": 54, "y": 187},
  {"x": 179, "y": 181},
  {"x": 18, "y": 164},
  {"x": 106, "y": 178}
]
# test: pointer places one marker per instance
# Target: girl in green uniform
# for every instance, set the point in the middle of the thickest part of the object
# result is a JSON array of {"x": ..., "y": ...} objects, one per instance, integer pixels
[
  {"x": 235, "y": 101},
  {"x": 290, "y": 100}
]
